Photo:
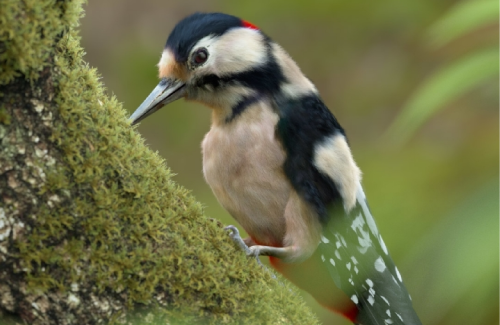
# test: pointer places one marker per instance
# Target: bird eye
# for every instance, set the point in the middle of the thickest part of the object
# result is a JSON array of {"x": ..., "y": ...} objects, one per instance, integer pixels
[{"x": 200, "y": 56}]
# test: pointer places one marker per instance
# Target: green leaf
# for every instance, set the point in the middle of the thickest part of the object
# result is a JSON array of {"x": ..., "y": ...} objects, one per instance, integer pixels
[
  {"x": 463, "y": 18},
  {"x": 444, "y": 86}
]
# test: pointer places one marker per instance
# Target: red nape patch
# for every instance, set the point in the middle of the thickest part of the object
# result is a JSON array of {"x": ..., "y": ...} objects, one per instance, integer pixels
[{"x": 247, "y": 24}]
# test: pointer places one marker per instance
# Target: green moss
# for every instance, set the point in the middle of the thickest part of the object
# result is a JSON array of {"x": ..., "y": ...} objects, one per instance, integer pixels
[
  {"x": 130, "y": 232},
  {"x": 28, "y": 31},
  {"x": 4, "y": 116}
]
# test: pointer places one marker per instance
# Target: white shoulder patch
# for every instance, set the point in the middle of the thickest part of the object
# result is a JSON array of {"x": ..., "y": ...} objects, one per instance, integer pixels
[{"x": 334, "y": 159}]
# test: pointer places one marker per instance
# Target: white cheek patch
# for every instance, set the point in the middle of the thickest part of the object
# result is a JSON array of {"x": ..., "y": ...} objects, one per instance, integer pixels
[
  {"x": 334, "y": 159},
  {"x": 238, "y": 50},
  {"x": 208, "y": 43}
]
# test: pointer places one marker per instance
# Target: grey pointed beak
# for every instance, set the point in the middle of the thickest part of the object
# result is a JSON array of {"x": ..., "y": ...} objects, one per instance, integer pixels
[{"x": 167, "y": 91}]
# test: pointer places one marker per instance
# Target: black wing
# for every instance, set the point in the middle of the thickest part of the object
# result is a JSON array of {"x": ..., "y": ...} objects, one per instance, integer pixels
[{"x": 351, "y": 247}]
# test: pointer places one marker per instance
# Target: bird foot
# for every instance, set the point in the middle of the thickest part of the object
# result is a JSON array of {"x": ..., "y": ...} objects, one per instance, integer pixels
[{"x": 249, "y": 251}]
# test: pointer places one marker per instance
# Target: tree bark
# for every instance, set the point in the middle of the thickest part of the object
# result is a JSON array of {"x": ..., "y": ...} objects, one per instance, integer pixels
[{"x": 92, "y": 228}]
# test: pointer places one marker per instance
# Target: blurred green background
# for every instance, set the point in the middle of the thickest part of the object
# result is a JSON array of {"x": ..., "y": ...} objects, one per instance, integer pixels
[{"x": 415, "y": 85}]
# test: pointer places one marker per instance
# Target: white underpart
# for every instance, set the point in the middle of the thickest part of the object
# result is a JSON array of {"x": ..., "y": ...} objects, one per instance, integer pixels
[
  {"x": 380, "y": 264},
  {"x": 237, "y": 50},
  {"x": 333, "y": 158}
]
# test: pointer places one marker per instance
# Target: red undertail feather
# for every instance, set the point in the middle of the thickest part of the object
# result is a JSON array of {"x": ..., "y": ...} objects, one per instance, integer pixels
[{"x": 313, "y": 277}]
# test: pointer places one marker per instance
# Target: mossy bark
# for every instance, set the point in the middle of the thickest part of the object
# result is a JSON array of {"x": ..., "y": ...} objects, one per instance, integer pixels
[{"x": 92, "y": 228}]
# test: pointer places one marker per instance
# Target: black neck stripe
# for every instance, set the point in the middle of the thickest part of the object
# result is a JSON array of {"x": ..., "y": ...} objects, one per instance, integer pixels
[{"x": 242, "y": 106}]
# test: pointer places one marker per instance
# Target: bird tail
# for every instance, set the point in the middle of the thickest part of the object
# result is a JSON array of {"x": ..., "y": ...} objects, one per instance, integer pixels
[{"x": 360, "y": 265}]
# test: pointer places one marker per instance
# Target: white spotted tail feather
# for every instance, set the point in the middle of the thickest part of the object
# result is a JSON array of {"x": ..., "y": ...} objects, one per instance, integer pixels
[{"x": 360, "y": 265}]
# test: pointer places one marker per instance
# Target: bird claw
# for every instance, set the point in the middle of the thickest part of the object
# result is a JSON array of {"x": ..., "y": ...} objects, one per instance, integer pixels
[{"x": 249, "y": 251}]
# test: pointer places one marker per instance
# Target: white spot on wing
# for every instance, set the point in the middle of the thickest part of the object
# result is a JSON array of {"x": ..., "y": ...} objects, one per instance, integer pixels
[
  {"x": 354, "y": 260},
  {"x": 338, "y": 244},
  {"x": 372, "y": 292},
  {"x": 356, "y": 269},
  {"x": 371, "y": 300},
  {"x": 369, "y": 282},
  {"x": 338, "y": 254},
  {"x": 363, "y": 250},
  {"x": 332, "y": 262},
  {"x": 368, "y": 216},
  {"x": 343, "y": 241},
  {"x": 323, "y": 258},
  {"x": 399, "y": 316},
  {"x": 398, "y": 274},
  {"x": 363, "y": 236},
  {"x": 348, "y": 265},
  {"x": 382, "y": 244},
  {"x": 358, "y": 222},
  {"x": 385, "y": 299},
  {"x": 354, "y": 299},
  {"x": 380, "y": 264},
  {"x": 324, "y": 239},
  {"x": 388, "y": 312},
  {"x": 388, "y": 321}
]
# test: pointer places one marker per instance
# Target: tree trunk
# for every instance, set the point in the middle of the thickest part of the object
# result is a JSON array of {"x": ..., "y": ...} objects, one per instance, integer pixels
[{"x": 91, "y": 225}]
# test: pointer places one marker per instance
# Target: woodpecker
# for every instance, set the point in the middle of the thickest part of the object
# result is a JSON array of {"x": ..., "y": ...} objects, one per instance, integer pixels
[{"x": 279, "y": 162}]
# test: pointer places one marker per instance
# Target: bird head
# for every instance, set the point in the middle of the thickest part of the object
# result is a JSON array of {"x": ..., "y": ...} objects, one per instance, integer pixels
[{"x": 221, "y": 60}]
